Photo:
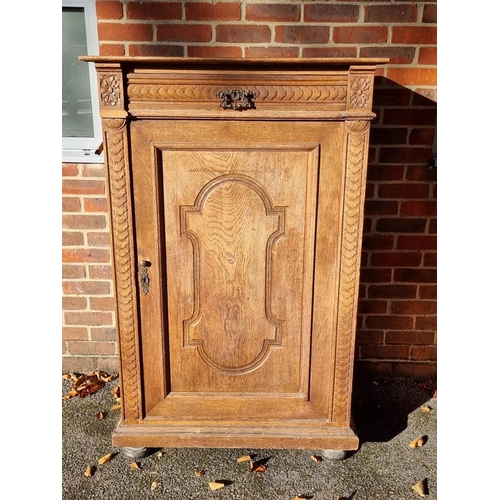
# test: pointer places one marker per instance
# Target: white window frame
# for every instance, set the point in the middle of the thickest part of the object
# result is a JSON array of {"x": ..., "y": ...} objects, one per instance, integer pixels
[{"x": 83, "y": 149}]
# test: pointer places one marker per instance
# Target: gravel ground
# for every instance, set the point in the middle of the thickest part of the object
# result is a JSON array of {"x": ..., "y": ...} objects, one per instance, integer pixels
[{"x": 388, "y": 415}]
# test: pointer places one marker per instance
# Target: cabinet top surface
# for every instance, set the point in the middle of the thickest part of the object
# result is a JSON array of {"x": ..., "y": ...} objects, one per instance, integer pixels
[{"x": 324, "y": 63}]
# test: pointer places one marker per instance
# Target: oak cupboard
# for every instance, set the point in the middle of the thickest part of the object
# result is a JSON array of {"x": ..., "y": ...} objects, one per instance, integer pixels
[{"x": 236, "y": 200}]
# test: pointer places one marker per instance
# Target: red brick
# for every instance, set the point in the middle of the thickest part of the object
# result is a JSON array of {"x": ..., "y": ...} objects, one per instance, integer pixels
[
  {"x": 404, "y": 155},
  {"x": 372, "y": 368},
  {"x": 272, "y": 52},
  {"x": 302, "y": 34},
  {"x": 74, "y": 303},
  {"x": 92, "y": 347},
  {"x": 372, "y": 275},
  {"x": 98, "y": 239},
  {"x": 72, "y": 239},
  {"x": 81, "y": 364},
  {"x": 414, "y": 35},
  {"x": 327, "y": 13},
  {"x": 213, "y": 51},
  {"x": 370, "y": 337},
  {"x": 398, "y": 55},
  {"x": 102, "y": 303},
  {"x": 196, "y": 11},
  {"x": 184, "y": 33},
  {"x": 85, "y": 255},
  {"x": 421, "y": 172},
  {"x": 95, "y": 205},
  {"x": 426, "y": 323},
  {"x": 93, "y": 170},
  {"x": 88, "y": 318},
  {"x": 396, "y": 259},
  {"x": 374, "y": 207},
  {"x": 108, "y": 364},
  {"x": 125, "y": 32},
  {"x": 74, "y": 333},
  {"x": 416, "y": 208},
  {"x": 411, "y": 191},
  {"x": 108, "y": 334},
  {"x": 69, "y": 170},
  {"x": 416, "y": 242},
  {"x": 413, "y": 76},
  {"x": 101, "y": 272},
  {"x": 392, "y": 291},
  {"x": 418, "y": 371},
  {"x": 156, "y": 50},
  {"x": 385, "y": 172},
  {"x": 84, "y": 221},
  {"x": 430, "y": 260},
  {"x": 384, "y": 322},
  {"x": 82, "y": 186},
  {"x": 424, "y": 353},
  {"x": 258, "y": 33},
  {"x": 111, "y": 49},
  {"x": 420, "y": 307},
  {"x": 427, "y": 56},
  {"x": 86, "y": 287},
  {"x": 71, "y": 204},
  {"x": 430, "y": 14},
  {"x": 272, "y": 12},
  {"x": 386, "y": 136},
  {"x": 360, "y": 34},
  {"x": 329, "y": 51},
  {"x": 390, "y": 13},
  {"x": 378, "y": 242},
  {"x": 427, "y": 292},
  {"x": 409, "y": 337},
  {"x": 109, "y": 10},
  {"x": 390, "y": 96},
  {"x": 415, "y": 275},
  {"x": 422, "y": 136},
  {"x": 73, "y": 272},
  {"x": 433, "y": 226},
  {"x": 372, "y": 306},
  {"x": 384, "y": 352},
  {"x": 401, "y": 225},
  {"x": 154, "y": 10}
]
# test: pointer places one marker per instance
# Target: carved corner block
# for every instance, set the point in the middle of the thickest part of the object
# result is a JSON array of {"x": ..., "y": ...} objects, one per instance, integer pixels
[{"x": 359, "y": 89}]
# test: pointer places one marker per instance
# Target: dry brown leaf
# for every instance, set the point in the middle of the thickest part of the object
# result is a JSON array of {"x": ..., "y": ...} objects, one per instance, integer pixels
[
  {"x": 100, "y": 415},
  {"x": 421, "y": 488},
  {"x": 316, "y": 458},
  {"x": 215, "y": 485},
  {"x": 135, "y": 465},
  {"x": 426, "y": 409},
  {"x": 246, "y": 458},
  {"x": 66, "y": 376},
  {"x": 420, "y": 441},
  {"x": 116, "y": 392},
  {"x": 257, "y": 467},
  {"x": 103, "y": 376},
  {"x": 105, "y": 459},
  {"x": 199, "y": 473},
  {"x": 155, "y": 485},
  {"x": 89, "y": 471}
]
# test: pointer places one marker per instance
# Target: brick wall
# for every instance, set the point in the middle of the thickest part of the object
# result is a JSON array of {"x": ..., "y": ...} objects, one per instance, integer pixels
[{"x": 397, "y": 307}]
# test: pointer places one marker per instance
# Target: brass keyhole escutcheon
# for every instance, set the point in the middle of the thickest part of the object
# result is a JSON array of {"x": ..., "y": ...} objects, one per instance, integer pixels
[{"x": 144, "y": 278}]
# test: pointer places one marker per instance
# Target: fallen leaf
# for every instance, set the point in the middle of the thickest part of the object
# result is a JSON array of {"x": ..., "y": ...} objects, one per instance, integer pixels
[
  {"x": 426, "y": 409},
  {"x": 89, "y": 471},
  {"x": 116, "y": 392},
  {"x": 257, "y": 467},
  {"x": 103, "y": 376},
  {"x": 105, "y": 459},
  {"x": 154, "y": 485},
  {"x": 215, "y": 485},
  {"x": 199, "y": 473},
  {"x": 316, "y": 458},
  {"x": 66, "y": 376},
  {"x": 135, "y": 465},
  {"x": 159, "y": 454},
  {"x": 100, "y": 415},
  {"x": 420, "y": 441},
  {"x": 116, "y": 407},
  {"x": 246, "y": 458},
  {"x": 421, "y": 488},
  {"x": 435, "y": 394}
]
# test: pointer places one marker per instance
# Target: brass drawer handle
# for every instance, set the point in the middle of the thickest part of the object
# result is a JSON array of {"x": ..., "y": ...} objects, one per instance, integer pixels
[
  {"x": 144, "y": 276},
  {"x": 237, "y": 99}
]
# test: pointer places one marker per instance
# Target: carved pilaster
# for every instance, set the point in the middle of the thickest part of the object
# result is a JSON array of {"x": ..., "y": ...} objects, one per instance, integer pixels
[{"x": 352, "y": 226}]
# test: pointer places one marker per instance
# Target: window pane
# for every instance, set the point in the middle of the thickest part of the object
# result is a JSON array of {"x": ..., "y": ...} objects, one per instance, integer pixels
[{"x": 76, "y": 101}]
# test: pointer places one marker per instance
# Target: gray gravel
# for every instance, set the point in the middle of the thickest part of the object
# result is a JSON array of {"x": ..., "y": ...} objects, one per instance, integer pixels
[{"x": 388, "y": 415}]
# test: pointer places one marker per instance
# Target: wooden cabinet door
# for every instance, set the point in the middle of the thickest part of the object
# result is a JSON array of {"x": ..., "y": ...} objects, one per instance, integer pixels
[{"x": 239, "y": 222}]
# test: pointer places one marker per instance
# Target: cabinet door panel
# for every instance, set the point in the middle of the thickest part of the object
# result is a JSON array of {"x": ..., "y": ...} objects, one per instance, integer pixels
[{"x": 229, "y": 218}]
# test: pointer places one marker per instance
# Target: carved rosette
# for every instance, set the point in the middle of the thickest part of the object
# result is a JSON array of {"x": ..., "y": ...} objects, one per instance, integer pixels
[
  {"x": 360, "y": 91},
  {"x": 110, "y": 89},
  {"x": 122, "y": 229},
  {"x": 357, "y": 146}
]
